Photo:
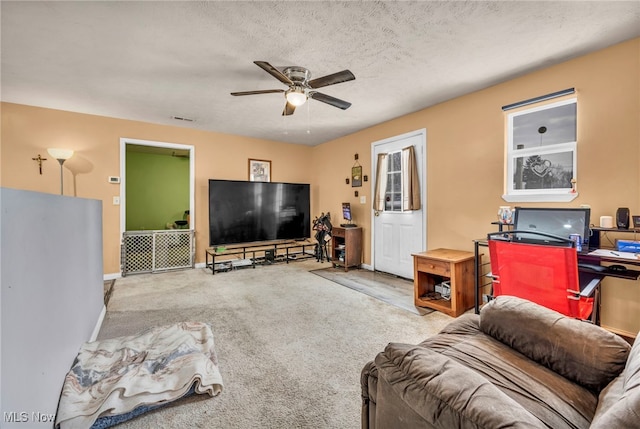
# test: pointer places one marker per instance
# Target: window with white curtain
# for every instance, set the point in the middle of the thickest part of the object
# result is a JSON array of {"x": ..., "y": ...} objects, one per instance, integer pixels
[{"x": 397, "y": 187}]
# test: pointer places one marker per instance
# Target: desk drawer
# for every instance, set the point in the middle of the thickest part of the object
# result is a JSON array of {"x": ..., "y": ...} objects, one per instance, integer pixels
[{"x": 432, "y": 266}]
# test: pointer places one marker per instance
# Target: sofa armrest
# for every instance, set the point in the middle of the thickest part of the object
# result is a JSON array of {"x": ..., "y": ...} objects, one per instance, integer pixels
[
  {"x": 619, "y": 403},
  {"x": 579, "y": 351},
  {"x": 443, "y": 393},
  {"x": 369, "y": 386}
]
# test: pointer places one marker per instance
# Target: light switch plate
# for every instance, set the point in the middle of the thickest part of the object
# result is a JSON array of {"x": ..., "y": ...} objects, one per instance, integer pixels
[
  {"x": 363, "y": 199},
  {"x": 116, "y": 201}
]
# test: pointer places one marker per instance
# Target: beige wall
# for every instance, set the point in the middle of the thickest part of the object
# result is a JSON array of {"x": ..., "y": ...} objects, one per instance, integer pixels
[
  {"x": 28, "y": 131},
  {"x": 465, "y": 158}
]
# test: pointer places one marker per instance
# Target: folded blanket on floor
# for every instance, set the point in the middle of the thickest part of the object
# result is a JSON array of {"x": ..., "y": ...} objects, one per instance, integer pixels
[{"x": 117, "y": 376}]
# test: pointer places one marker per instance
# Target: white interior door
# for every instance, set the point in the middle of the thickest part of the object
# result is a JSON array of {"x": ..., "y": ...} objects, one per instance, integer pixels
[{"x": 396, "y": 234}]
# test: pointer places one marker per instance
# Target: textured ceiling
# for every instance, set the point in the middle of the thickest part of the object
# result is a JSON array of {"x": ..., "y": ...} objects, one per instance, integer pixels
[{"x": 151, "y": 61}]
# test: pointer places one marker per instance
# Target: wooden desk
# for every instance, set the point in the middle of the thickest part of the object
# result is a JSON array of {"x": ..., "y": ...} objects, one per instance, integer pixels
[{"x": 433, "y": 267}]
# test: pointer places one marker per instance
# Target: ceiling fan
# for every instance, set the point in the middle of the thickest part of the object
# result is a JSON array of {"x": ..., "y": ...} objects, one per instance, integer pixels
[{"x": 300, "y": 87}]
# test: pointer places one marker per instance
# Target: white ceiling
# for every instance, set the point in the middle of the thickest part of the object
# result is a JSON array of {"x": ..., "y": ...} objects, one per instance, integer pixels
[{"x": 150, "y": 61}]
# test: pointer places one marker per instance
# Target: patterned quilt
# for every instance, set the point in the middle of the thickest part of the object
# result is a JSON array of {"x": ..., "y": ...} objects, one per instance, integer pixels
[{"x": 120, "y": 376}]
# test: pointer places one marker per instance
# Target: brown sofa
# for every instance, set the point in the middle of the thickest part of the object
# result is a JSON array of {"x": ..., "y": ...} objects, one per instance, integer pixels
[{"x": 516, "y": 365}]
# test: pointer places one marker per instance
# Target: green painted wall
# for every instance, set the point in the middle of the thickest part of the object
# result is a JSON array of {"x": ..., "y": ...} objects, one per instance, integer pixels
[{"x": 157, "y": 190}]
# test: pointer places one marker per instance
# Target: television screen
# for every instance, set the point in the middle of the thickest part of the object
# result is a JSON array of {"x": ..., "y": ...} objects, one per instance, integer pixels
[
  {"x": 557, "y": 221},
  {"x": 346, "y": 211},
  {"x": 243, "y": 212}
]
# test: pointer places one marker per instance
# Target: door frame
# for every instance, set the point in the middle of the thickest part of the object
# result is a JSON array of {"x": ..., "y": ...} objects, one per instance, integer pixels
[
  {"x": 423, "y": 184},
  {"x": 123, "y": 168}
]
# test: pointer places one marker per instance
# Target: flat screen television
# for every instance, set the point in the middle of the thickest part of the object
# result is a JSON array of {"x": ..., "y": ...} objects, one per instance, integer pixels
[
  {"x": 243, "y": 212},
  {"x": 558, "y": 221}
]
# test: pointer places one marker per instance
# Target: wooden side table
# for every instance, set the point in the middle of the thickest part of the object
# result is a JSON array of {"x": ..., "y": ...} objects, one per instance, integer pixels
[
  {"x": 346, "y": 247},
  {"x": 432, "y": 268}
]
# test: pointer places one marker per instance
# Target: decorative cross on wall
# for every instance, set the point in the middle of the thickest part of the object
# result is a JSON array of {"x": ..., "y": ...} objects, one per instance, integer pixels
[{"x": 39, "y": 159}]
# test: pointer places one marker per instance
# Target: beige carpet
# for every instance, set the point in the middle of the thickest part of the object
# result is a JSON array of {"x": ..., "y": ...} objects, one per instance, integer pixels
[{"x": 290, "y": 344}]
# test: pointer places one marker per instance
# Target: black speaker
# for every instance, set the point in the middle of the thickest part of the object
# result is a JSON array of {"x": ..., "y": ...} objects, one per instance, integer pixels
[
  {"x": 269, "y": 255},
  {"x": 622, "y": 218}
]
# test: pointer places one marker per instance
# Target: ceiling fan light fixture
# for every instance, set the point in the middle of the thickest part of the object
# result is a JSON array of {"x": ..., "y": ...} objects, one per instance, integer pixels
[{"x": 296, "y": 96}]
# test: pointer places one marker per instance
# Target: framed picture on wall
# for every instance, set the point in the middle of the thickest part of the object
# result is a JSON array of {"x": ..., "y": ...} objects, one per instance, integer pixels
[
  {"x": 356, "y": 176},
  {"x": 259, "y": 170}
]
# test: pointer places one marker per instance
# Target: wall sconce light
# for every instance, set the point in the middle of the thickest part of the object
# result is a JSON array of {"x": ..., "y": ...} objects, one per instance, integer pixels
[{"x": 61, "y": 155}]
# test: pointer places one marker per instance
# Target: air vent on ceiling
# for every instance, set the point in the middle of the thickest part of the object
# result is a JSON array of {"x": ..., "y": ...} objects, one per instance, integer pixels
[{"x": 179, "y": 118}]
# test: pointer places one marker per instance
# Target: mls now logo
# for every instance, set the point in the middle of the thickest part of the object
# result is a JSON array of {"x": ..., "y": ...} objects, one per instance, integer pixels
[
  {"x": 16, "y": 417},
  {"x": 42, "y": 417},
  {"x": 23, "y": 417}
]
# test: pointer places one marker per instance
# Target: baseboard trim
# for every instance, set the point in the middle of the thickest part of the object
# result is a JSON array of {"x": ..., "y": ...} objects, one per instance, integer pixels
[
  {"x": 620, "y": 332},
  {"x": 111, "y": 276},
  {"x": 200, "y": 265},
  {"x": 96, "y": 329},
  {"x": 366, "y": 267}
]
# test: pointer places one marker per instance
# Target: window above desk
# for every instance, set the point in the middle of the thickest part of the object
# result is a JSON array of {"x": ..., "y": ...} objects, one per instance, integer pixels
[{"x": 541, "y": 153}]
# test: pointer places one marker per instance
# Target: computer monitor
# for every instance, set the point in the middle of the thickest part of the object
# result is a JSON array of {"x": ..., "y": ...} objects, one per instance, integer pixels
[
  {"x": 346, "y": 211},
  {"x": 557, "y": 221}
]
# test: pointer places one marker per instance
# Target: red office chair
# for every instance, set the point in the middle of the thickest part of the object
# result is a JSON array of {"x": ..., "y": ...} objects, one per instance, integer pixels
[{"x": 546, "y": 274}]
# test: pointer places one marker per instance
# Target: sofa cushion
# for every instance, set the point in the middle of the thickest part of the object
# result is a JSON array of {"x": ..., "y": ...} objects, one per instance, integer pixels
[
  {"x": 619, "y": 404},
  {"x": 444, "y": 393},
  {"x": 586, "y": 354},
  {"x": 554, "y": 400}
]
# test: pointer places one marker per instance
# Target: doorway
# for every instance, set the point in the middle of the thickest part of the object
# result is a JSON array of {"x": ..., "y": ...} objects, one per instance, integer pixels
[
  {"x": 397, "y": 232},
  {"x": 156, "y": 206}
]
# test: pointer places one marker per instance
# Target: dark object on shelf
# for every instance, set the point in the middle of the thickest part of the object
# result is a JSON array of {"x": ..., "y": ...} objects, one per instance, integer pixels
[
  {"x": 592, "y": 267},
  {"x": 622, "y": 218},
  {"x": 181, "y": 223},
  {"x": 617, "y": 268},
  {"x": 269, "y": 256}
]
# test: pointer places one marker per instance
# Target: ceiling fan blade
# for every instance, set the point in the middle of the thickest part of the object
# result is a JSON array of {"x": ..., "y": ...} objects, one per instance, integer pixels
[
  {"x": 332, "y": 79},
  {"x": 288, "y": 109},
  {"x": 336, "y": 102},
  {"x": 273, "y": 72},
  {"x": 263, "y": 91}
]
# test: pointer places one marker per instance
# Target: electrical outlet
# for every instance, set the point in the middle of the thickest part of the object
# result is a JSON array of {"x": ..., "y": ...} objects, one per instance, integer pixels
[{"x": 116, "y": 201}]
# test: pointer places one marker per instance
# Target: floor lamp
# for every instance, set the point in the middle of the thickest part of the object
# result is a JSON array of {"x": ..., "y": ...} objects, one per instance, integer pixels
[{"x": 61, "y": 155}]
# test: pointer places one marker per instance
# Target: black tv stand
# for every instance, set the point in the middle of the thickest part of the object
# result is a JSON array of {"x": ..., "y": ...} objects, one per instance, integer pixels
[
  {"x": 348, "y": 225},
  {"x": 228, "y": 257}
]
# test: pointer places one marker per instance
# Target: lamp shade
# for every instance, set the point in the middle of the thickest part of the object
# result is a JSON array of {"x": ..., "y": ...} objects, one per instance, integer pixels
[
  {"x": 60, "y": 153},
  {"x": 296, "y": 98}
]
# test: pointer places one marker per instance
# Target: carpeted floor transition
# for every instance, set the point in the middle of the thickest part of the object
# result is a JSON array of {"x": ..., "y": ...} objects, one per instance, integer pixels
[
  {"x": 290, "y": 344},
  {"x": 387, "y": 288}
]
